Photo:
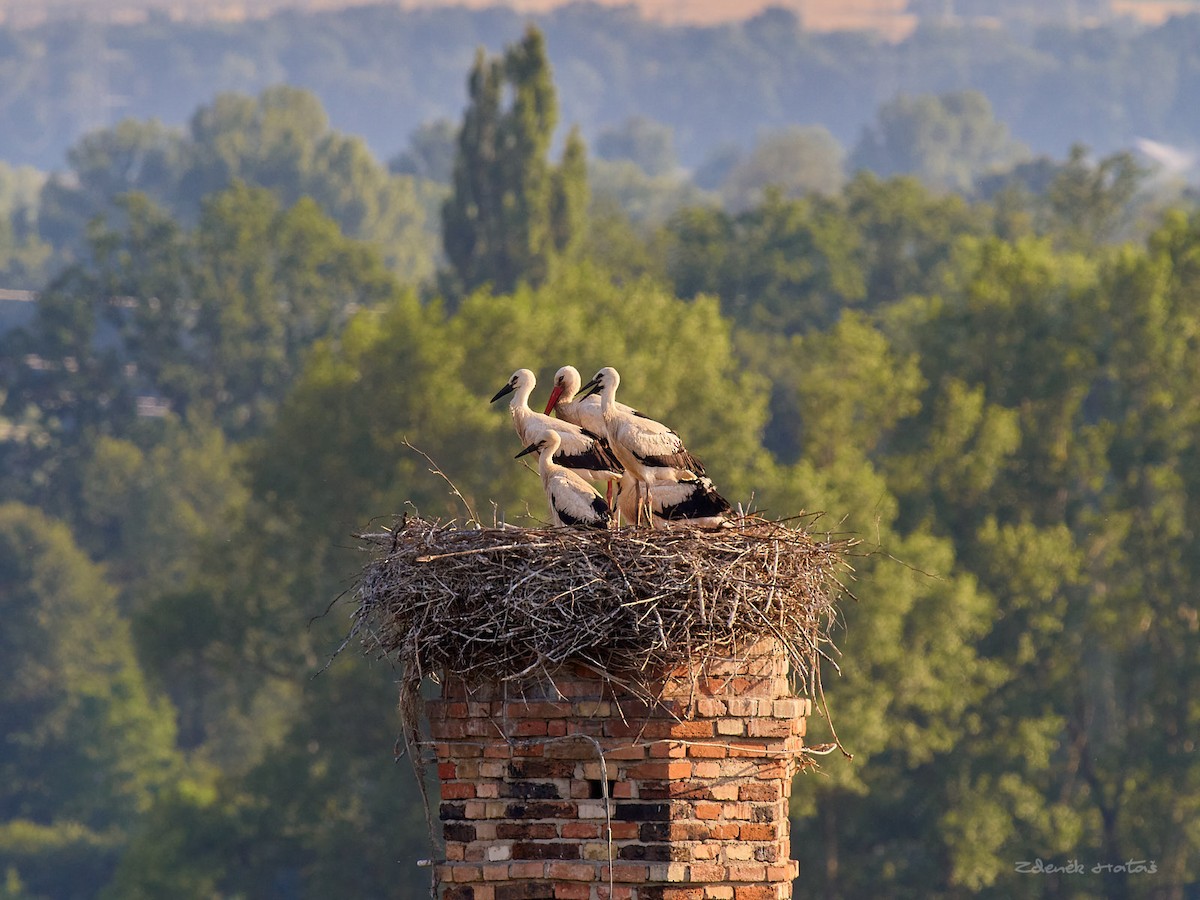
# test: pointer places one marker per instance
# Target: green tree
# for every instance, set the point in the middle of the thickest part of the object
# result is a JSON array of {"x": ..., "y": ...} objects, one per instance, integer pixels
[
  {"x": 648, "y": 144},
  {"x": 280, "y": 140},
  {"x": 23, "y": 254},
  {"x": 795, "y": 161},
  {"x": 430, "y": 154},
  {"x": 785, "y": 266},
  {"x": 907, "y": 234},
  {"x": 947, "y": 141},
  {"x": 510, "y": 211},
  {"x": 87, "y": 746},
  {"x": 1090, "y": 203}
]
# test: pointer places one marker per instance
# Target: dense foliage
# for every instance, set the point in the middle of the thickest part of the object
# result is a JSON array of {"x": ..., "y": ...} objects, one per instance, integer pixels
[{"x": 220, "y": 386}]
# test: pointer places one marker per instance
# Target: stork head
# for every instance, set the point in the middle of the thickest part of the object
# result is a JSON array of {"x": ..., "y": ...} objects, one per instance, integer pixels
[
  {"x": 521, "y": 380},
  {"x": 549, "y": 442},
  {"x": 606, "y": 379},
  {"x": 566, "y": 386}
]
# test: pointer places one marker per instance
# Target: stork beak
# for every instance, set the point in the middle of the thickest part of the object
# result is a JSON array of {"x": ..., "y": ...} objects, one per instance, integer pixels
[
  {"x": 532, "y": 448},
  {"x": 554, "y": 395},
  {"x": 592, "y": 387},
  {"x": 507, "y": 389}
]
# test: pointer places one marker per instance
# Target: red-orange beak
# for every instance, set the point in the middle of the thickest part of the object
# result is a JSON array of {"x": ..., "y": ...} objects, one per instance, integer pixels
[{"x": 554, "y": 395}]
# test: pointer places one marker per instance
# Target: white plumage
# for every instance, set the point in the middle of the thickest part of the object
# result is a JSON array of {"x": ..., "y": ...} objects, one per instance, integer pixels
[
  {"x": 572, "y": 500},
  {"x": 585, "y": 411},
  {"x": 654, "y": 457},
  {"x": 650, "y": 450},
  {"x": 585, "y": 453}
]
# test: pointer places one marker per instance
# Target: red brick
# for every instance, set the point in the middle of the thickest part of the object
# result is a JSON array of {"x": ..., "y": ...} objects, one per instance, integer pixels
[
  {"x": 447, "y": 771},
  {"x": 700, "y": 728},
  {"x": 758, "y": 791},
  {"x": 779, "y": 728},
  {"x": 710, "y": 708},
  {"x": 747, "y": 872},
  {"x": 448, "y": 728},
  {"x": 754, "y": 892},
  {"x": 466, "y": 873},
  {"x": 568, "y": 750},
  {"x": 568, "y": 871},
  {"x": 668, "y": 750},
  {"x": 519, "y": 870},
  {"x": 495, "y": 871},
  {"x": 758, "y": 833},
  {"x": 624, "y": 831},
  {"x": 628, "y": 751},
  {"x": 661, "y": 771},
  {"x": 707, "y": 751},
  {"x": 579, "y": 830},
  {"x": 541, "y": 709},
  {"x": 706, "y": 810},
  {"x": 457, "y": 790},
  {"x": 787, "y": 709},
  {"x": 618, "y": 728},
  {"x": 756, "y": 749},
  {"x": 706, "y": 872},
  {"x": 572, "y": 892},
  {"x": 627, "y": 873},
  {"x": 773, "y": 770}
]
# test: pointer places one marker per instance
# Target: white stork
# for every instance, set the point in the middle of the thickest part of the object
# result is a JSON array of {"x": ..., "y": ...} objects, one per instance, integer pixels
[
  {"x": 584, "y": 412},
  {"x": 691, "y": 502},
  {"x": 572, "y": 500},
  {"x": 581, "y": 451},
  {"x": 650, "y": 451}
]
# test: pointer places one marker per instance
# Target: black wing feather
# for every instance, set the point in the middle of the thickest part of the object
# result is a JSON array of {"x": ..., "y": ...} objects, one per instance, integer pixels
[
  {"x": 601, "y": 520},
  {"x": 680, "y": 460},
  {"x": 702, "y": 502},
  {"x": 597, "y": 458}
]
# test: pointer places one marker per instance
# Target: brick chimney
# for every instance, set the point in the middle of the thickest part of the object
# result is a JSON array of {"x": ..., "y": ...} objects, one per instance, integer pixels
[{"x": 668, "y": 786}]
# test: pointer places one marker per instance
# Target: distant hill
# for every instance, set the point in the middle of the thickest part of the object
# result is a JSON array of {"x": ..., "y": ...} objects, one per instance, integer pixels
[{"x": 381, "y": 71}]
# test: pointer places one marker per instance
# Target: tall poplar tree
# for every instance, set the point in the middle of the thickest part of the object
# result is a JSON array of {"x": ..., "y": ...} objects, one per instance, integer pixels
[{"x": 511, "y": 212}]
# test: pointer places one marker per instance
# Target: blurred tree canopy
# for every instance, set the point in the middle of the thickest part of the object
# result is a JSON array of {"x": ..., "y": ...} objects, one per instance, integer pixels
[
  {"x": 1103, "y": 84},
  {"x": 511, "y": 214},
  {"x": 228, "y": 380},
  {"x": 280, "y": 141},
  {"x": 948, "y": 140}
]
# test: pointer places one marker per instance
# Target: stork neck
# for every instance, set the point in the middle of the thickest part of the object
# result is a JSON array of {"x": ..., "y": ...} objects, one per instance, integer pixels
[
  {"x": 608, "y": 399},
  {"x": 521, "y": 395}
]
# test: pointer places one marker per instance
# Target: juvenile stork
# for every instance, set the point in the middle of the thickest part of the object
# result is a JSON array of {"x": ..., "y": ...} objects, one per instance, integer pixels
[
  {"x": 572, "y": 500},
  {"x": 650, "y": 451},
  {"x": 691, "y": 502},
  {"x": 584, "y": 412},
  {"x": 579, "y": 450}
]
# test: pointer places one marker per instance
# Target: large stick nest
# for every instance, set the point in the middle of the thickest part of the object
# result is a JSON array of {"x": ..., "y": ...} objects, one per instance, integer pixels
[{"x": 500, "y": 604}]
